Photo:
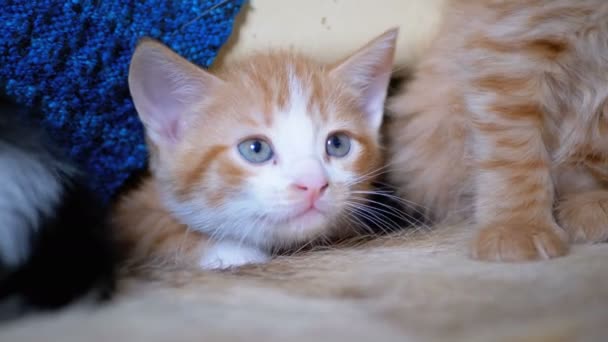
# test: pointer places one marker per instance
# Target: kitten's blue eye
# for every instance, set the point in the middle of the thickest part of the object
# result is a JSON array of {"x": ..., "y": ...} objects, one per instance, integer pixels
[
  {"x": 255, "y": 150},
  {"x": 338, "y": 145}
]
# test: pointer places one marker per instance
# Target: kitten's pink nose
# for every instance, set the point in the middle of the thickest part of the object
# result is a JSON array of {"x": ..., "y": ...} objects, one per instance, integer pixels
[
  {"x": 310, "y": 178},
  {"x": 313, "y": 185}
]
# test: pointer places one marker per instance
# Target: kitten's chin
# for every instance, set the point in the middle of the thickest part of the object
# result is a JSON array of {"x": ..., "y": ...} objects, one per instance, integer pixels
[
  {"x": 303, "y": 227},
  {"x": 310, "y": 217}
]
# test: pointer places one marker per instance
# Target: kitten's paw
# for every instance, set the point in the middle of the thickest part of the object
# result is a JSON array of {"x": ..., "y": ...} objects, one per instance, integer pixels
[
  {"x": 585, "y": 216},
  {"x": 512, "y": 243},
  {"x": 227, "y": 254}
]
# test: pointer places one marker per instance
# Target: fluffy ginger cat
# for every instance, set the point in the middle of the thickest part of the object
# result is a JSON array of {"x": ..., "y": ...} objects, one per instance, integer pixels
[
  {"x": 506, "y": 119},
  {"x": 270, "y": 152}
]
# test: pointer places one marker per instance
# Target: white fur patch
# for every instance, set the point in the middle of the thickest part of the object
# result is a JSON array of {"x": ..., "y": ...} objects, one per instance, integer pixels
[
  {"x": 28, "y": 190},
  {"x": 226, "y": 254}
]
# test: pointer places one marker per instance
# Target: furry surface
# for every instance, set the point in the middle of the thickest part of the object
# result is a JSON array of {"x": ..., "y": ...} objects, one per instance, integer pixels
[
  {"x": 505, "y": 122},
  {"x": 55, "y": 242},
  {"x": 418, "y": 287}
]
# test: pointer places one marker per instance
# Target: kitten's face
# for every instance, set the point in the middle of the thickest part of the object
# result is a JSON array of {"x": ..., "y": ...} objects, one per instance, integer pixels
[
  {"x": 273, "y": 151},
  {"x": 276, "y": 154}
]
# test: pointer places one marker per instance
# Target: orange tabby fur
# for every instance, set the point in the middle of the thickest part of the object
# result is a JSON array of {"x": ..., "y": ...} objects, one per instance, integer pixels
[
  {"x": 506, "y": 120},
  {"x": 151, "y": 234},
  {"x": 202, "y": 192}
]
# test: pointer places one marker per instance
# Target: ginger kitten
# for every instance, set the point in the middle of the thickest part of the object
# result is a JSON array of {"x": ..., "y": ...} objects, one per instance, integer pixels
[
  {"x": 270, "y": 152},
  {"x": 507, "y": 119}
]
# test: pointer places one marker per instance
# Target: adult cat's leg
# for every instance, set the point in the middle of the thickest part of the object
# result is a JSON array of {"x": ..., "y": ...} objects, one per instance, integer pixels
[
  {"x": 427, "y": 137},
  {"x": 514, "y": 188},
  {"x": 584, "y": 216},
  {"x": 582, "y": 204}
]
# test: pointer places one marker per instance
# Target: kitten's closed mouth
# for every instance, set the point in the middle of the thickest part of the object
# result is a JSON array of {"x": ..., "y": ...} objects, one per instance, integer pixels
[{"x": 306, "y": 215}]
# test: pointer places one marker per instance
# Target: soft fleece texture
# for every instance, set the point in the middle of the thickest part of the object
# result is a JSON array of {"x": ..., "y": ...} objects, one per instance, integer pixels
[{"x": 417, "y": 287}]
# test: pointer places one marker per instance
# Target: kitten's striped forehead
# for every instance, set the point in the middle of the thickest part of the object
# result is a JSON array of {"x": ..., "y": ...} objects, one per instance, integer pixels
[
  {"x": 279, "y": 81},
  {"x": 306, "y": 107}
]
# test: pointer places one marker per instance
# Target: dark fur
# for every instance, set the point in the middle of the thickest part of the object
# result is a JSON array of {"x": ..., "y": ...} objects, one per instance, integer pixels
[{"x": 72, "y": 252}]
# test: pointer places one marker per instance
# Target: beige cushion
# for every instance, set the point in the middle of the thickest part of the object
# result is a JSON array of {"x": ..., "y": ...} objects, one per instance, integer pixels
[{"x": 329, "y": 29}]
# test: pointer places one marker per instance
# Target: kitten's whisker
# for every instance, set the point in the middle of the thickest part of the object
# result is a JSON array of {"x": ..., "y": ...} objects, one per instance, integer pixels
[
  {"x": 304, "y": 246},
  {"x": 372, "y": 218},
  {"x": 249, "y": 228},
  {"x": 392, "y": 211},
  {"x": 405, "y": 203},
  {"x": 391, "y": 196},
  {"x": 371, "y": 175},
  {"x": 379, "y": 211},
  {"x": 373, "y": 172},
  {"x": 377, "y": 172},
  {"x": 400, "y": 214},
  {"x": 180, "y": 251},
  {"x": 360, "y": 223},
  {"x": 387, "y": 194}
]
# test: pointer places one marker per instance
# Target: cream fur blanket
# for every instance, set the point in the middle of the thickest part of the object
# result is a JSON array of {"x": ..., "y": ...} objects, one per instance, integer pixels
[{"x": 413, "y": 287}]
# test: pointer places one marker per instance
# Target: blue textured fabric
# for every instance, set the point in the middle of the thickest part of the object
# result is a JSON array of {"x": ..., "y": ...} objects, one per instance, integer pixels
[{"x": 69, "y": 60}]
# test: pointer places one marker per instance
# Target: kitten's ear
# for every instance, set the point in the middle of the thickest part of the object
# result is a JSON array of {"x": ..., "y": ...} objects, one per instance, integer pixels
[
  {"x": 368, "y": 71},
  {"x": 164, "y": 86}
]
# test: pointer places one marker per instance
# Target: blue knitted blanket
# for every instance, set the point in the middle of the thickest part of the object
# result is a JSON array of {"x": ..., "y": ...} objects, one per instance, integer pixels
[{"x": 69, "y": 61}]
